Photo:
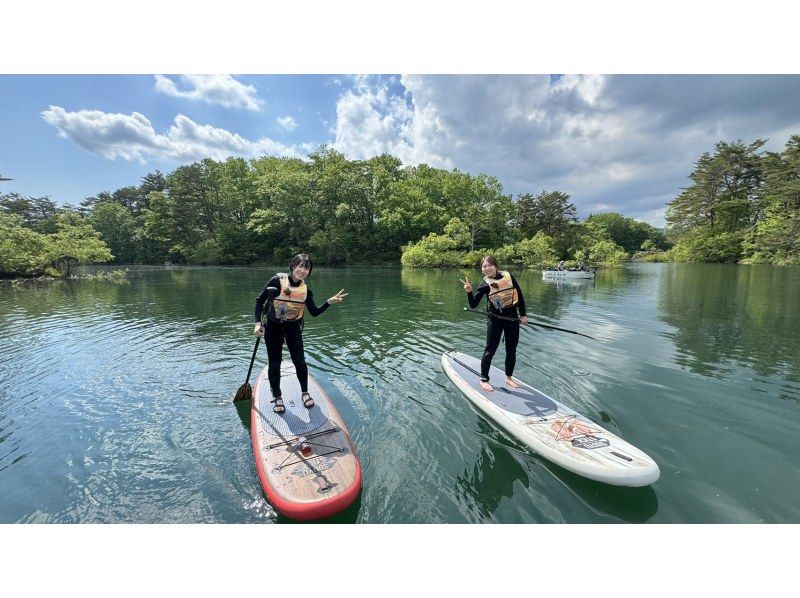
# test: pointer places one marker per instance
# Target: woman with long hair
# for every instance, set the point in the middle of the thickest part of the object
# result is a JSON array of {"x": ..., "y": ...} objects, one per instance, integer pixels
[{"x": 504, "y": 298}]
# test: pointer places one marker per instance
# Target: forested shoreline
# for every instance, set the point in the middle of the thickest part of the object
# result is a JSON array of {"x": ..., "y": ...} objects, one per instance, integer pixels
[{"x": 743, "y": 205}]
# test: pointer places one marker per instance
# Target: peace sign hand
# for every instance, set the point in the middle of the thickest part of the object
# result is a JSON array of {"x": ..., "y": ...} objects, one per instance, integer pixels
[
  {"x": 467, "y": 284},
  {"x": 338, "y": 297}
]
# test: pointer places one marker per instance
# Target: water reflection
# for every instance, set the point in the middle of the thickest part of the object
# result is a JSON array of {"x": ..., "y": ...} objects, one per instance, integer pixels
[
  {"x": 349, "y": 515},
  {"x": 498, "y": 472},
  {"x": 579, "y": 283},
  {"x": 492, "y": 476},
  {"x": 243, "y": 411},
  {"x": 442, "y": 293},
  {"x": 742, "y": 314},
  {"x": 635, "y": 505}
]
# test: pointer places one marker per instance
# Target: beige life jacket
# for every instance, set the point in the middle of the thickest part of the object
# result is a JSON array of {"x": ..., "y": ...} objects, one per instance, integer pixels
[
  {"x": 290, "y": 303},
  {"x": 502, "y": 292}
]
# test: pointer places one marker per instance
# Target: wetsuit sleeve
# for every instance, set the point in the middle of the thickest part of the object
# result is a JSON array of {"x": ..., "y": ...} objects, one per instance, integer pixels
[
  {"x": 475, "y": 297},
  {"x": 521, "y": 303},
  {"x": 313, "y": 309},
  {"x": 262, "y": 297}
]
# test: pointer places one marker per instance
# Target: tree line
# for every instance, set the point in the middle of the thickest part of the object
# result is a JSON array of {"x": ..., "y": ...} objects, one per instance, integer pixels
[
  {"x": 742, "y": 205},
  {"x": 343, "y": 211},
  {"x": 37, "y": 238}
]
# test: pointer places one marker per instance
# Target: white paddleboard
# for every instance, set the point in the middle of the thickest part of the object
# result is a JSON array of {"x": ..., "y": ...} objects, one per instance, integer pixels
[
  {"x": 568, "y": 274},
  {"x": 551, "y": 429}
]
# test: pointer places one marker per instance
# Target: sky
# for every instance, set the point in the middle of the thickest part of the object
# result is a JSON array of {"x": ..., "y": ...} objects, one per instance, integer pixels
[{"x": 623, "y": 143}]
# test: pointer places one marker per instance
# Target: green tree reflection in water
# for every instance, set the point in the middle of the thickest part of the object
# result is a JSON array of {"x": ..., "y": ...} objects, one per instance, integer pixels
[{"x": 724, "y": 315}]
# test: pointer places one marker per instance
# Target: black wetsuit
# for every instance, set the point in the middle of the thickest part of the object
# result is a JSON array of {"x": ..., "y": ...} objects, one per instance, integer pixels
[
  {"x": 495, "y": 327},
  {"x": 292, "y": 332}
]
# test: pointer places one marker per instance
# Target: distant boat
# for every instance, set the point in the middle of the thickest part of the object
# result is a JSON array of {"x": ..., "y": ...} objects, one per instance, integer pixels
[{"x": 554, "y": 274}]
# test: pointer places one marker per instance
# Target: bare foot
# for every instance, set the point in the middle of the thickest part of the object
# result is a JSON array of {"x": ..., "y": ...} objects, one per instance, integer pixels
[
  {"x": 510, "y": 382},
  {"x": 486, "y": 386}
]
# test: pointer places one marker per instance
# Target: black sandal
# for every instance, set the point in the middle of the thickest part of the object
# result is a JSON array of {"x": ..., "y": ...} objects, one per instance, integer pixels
[
  {"x": 278, "y": 408},
  {"x": 308, "y": 402}
]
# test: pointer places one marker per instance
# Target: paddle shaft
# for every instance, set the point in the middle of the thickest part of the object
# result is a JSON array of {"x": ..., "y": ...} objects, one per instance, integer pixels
[
  {"x": 491, "y": 315},
  {"x": 272, "y": 290},
  {"x": 252, "y": 360}
]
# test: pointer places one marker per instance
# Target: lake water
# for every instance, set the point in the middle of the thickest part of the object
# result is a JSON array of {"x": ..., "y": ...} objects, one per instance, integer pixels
[{"x": 115, "y": 398}]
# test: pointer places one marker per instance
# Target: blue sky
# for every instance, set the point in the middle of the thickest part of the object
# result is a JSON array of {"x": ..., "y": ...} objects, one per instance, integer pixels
[{"x": 614, "y": 143}]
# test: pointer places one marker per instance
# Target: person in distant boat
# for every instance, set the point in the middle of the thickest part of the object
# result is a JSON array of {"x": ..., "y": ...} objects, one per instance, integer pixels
[
  {"x": 560, "y": 265},
  {"x": 504, "y": 298},
  {"x": 580, "y": 265},
  {"x": 286, "y": 297}
]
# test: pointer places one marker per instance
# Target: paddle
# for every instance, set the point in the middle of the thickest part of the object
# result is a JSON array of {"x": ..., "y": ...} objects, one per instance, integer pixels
[
  {"x": 245, "y": 392},
  {"x": 499, "y": 317}
]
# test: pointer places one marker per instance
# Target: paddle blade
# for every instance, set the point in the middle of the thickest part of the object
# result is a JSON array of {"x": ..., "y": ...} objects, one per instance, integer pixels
[{"x": 245, "y": 393}]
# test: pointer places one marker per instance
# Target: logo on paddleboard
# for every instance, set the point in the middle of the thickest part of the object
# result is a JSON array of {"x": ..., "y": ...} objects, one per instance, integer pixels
[
  {"x": 320, "y": 464},
  {"x": 590, "y": 442}
]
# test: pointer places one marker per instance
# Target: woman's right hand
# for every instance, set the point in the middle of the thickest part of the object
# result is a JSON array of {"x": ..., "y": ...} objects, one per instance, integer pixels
[
  {"x": 467, "y": 284},
  {"x": 259, "y": 329}
]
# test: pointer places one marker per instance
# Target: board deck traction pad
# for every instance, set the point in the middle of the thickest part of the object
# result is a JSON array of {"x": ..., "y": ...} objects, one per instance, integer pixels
[
  {"x": 522, "y": 401},
  {"x": 297, "y": 420}
]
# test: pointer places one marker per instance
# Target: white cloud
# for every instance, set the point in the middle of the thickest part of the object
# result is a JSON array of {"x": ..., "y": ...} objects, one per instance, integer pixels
[
  {"x": 288, "y": 123},
  {"x": 132, "y": 137},
  {"x": 657, "y": 215},
  {"x": 622, "y": 141},
  {"x": 223, "y": 90},
  {"x": 509, "y": 126},
  {"x": 588, "y": 87},
  {"x": 369, "y": 121},
  {"x": 602, "y": 207},
  {"x": 521, "y": 128}
]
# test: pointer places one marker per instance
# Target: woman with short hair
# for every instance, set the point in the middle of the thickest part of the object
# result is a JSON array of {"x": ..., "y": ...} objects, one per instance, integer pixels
[{"x": 286, "y": 298}]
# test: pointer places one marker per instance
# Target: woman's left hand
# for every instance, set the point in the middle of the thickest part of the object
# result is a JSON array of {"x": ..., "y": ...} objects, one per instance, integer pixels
[
  {"x": 338, "y": 297},
  {"x": 523, "y": 320}
]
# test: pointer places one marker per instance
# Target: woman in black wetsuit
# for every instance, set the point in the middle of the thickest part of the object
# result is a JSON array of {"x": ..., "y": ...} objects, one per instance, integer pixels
[
  {"x": 287, "y": 297},
  {"x": 504, "y": 298}
]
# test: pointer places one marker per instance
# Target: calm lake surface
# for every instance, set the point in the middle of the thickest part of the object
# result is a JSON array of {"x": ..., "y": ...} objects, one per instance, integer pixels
[{"x": 115, "y": 398}]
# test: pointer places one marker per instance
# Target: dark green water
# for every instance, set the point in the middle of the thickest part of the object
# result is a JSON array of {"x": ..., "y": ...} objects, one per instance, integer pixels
[{"x": 115, "y": 399}]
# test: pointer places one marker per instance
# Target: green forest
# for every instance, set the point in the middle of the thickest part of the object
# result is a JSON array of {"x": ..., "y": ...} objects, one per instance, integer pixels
[{"x": 743, "y": 205}]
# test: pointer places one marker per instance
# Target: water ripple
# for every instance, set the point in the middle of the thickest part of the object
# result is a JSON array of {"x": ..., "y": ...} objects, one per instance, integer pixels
[{"x": 115, "y": 399}]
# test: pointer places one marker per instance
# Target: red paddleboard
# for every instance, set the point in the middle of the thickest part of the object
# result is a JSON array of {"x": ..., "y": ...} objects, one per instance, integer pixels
[{"x": 305, "y": 458}]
